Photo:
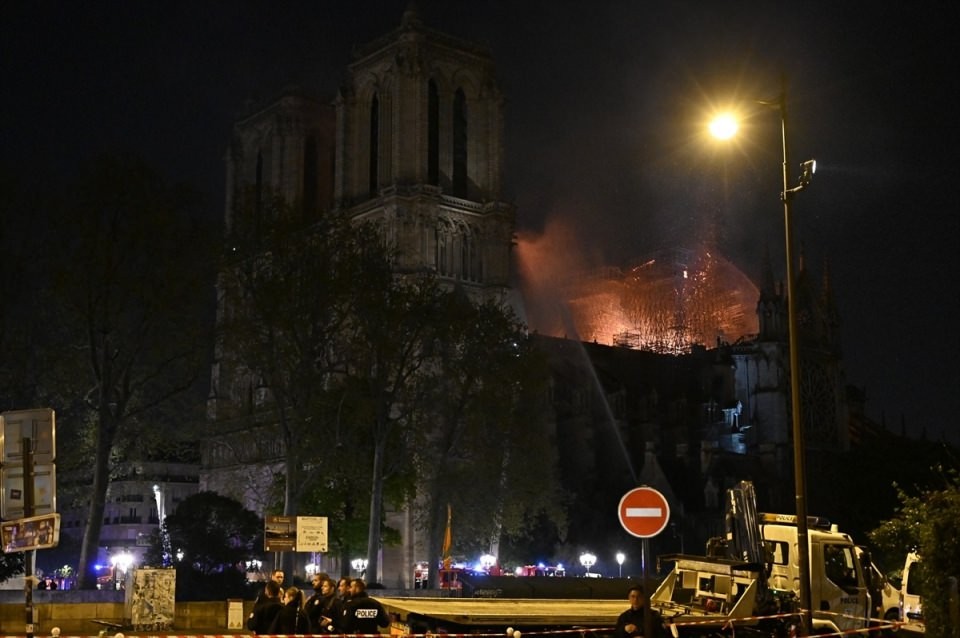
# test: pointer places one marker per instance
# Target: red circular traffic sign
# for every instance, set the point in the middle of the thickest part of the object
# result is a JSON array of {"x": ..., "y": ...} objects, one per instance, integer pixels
[{"x": 644, "y": 512}]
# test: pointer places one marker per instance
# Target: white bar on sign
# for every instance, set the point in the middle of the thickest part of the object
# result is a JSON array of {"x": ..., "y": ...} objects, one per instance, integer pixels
[{"x": 644, "y": 512}]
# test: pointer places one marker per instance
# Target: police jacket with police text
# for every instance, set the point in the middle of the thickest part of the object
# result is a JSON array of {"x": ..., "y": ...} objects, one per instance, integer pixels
[{"x": 363, "y": 615}]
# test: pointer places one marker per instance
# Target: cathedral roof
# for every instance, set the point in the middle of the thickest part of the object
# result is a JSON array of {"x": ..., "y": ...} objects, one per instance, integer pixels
[{"x": 412, "y": 25}]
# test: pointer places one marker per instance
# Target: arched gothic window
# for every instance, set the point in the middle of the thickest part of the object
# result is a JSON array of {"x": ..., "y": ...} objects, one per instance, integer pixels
[
  {"x": 460, "y": 144},
  {"x": 433, "y": 135},
  {"x": 374, "y": 145}
]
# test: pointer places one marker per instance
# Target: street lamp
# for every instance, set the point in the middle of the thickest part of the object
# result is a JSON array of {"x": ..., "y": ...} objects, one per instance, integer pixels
[
  {"x": 359, "y": 565},
  {"x": 588, "y": 560},
  {"x": 725, "y": 128},
  {"x": 487, "y": 561},
  {"x": 121, "y": 563},
  {"x": 620, "y": 558}
]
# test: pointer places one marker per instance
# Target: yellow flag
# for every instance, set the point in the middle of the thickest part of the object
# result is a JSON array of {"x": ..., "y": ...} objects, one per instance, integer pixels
[{"x": 447, "y": 541}]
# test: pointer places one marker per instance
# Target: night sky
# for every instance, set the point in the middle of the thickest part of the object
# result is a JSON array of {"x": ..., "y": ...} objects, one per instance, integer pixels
[{"x": 606, "y": 105}]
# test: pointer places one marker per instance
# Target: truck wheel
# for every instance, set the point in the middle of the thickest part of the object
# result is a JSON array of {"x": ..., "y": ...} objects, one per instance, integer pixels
[{"x": 892, "y": 616}]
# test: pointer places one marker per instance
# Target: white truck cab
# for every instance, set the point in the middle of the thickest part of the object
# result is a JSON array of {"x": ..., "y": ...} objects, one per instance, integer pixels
[
  {"x": 838, "y": 586},
  {"x": 750, "y": 577}
]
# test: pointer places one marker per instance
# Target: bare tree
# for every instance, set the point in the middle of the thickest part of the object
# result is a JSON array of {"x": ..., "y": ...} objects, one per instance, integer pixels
[{"x": 131, "y": 289}]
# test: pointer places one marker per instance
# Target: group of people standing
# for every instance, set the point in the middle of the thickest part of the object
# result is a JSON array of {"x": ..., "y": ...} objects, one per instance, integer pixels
[
  {"x": 334, "y": 608},
  {"x": 346, "y": 608}
]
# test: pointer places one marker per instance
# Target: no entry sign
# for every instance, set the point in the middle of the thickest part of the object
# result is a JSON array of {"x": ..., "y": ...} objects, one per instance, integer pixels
[{"x": 644, "y": 512}]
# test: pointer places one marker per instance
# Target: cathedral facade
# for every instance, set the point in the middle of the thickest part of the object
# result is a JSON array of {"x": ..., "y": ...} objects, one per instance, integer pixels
[
  {"x": 412, "y": 142},
  {"x": 420, "y": 150}
]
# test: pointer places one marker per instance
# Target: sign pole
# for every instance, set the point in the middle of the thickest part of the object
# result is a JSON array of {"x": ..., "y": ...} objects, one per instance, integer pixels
[
  {"x": 644, "y": 512},
  {"x": 29, "y": 555},
  {"x": 647, "y": 616}
]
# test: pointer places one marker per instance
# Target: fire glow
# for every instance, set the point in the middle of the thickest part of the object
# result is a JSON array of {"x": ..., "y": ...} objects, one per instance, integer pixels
[{"x": 667, "y": 303}]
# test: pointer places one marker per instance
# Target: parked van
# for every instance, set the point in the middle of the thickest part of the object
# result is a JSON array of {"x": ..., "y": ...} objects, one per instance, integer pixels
[
  {"x": 912, "y": 604},
  {"x": 884, "y": 596}
]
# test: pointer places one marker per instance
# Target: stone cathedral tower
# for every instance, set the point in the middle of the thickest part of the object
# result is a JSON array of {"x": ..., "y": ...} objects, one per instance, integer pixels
[
  {"x": 413, "y": 142},
  {"x": 419, "y": 149}
]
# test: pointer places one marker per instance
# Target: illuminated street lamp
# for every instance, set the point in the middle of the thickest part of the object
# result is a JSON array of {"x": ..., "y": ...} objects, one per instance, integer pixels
[
  {"x": 359, "y": 565},
  {"x": 588, "y": 560},
  {"x": 121, "y": 563},
  {"x": 620, "y": 558},
  {"x": 487, "y": 561},
  {"x": 725, "y": 127}
]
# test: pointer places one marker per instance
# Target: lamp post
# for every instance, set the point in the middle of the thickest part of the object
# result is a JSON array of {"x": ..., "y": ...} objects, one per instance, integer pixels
[
  {"x": 588, "y": 560},
  {"x": 799, "y": 441},
  {"x": 359, "y": 565},
  {"x": 121, "y": 563},
  {"x": 726, "y": 127},
  {"x": 487, "y": 561},
  {"x": 620, "y": 558}
]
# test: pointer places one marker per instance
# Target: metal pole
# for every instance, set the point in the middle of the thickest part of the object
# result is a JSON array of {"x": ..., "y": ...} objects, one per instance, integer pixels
[
  {"x": 647, "y": 616},
  {"x": 799, "y": 442},
  {"x": 29, "y": 555}
]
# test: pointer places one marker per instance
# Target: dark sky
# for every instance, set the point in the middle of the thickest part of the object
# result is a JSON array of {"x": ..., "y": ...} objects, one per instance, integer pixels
[{"x": 605, "y": 109}]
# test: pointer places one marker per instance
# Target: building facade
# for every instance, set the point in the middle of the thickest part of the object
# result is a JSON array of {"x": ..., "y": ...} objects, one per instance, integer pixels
[
  {"x": 412, "y": 143},
  {"x": 140, "y": 496}
]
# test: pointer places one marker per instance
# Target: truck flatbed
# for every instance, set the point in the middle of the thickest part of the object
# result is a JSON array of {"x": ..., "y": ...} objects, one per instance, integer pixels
[{"x": 507, "y": 612}]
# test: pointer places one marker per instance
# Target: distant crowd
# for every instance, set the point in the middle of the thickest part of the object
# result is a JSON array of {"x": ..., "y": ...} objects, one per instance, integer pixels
[{"x": 341, "y": 607}]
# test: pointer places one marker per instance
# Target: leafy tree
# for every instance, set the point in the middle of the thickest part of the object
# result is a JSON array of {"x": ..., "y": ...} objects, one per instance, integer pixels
[
  {"x": 482, "y": 426},
  {"x": 211, "y": 537},
  {"x": 352, "y": 354},
  {"x": 927, "y": 522},
  {"x": 129, "y": 296},
  {"x": 10, "y": 565},
  {"x": 289, "y": 301},
  {"x": 387, "y": 348}
]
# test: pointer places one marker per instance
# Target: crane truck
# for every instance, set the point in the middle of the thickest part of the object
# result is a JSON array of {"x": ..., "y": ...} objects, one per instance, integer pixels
[{"x": 749, "y": 579}]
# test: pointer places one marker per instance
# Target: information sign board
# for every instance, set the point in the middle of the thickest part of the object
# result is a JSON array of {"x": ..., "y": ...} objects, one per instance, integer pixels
[
  {"x": 44, "y": 490},
  {"x": 38, "y": 425},
  {"x": 311, "y": 534},
  {"x": 295, "y": 534},
  {"x": 280, "y": 533},
  {"x": 36, "y": 532}
]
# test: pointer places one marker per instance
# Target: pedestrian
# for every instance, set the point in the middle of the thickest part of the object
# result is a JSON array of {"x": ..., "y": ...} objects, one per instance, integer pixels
[
  {"x": 343, "y": 589},
  {"x": 320, "y": 606},
  {"x": 277, "y": 576},
  {"x": 362, "y": 614},
  {"x": 265, "y": 609},
  {"x": 312, "y": 604},
  {"x": 292, "y": 619},
  {"x": 630, "y": 624},
  {"x": 47, "y": 583}
]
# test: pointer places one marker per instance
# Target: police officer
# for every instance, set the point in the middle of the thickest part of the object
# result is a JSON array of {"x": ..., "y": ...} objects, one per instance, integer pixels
[
  {"x": 314, "y": 604},
  {"x": 265, "y": 609},
  {"x": 631, "y": 623},
  {"x": 362, "y": 614}
]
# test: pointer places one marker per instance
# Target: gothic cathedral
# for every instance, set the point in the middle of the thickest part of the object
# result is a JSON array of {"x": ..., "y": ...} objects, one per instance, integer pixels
[{"x": 413, "y": 141}]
